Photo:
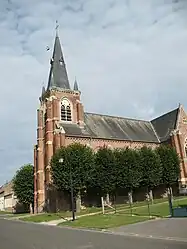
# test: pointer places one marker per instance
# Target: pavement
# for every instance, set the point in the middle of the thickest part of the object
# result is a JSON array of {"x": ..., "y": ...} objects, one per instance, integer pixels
[
  {"x": 22, "y": 235},
  {"x": 169, "y": 228}
]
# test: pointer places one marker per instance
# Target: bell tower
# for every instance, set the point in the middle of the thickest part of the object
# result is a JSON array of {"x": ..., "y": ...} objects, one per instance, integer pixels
[{"x": 59, "y": 105}]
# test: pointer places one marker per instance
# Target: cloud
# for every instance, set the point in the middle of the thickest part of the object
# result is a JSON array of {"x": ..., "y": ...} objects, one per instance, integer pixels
[{"x": 129, "y": 58}]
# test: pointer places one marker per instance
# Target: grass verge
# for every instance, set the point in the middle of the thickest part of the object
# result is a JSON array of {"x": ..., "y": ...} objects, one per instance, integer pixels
[
  {"x": 104, "y": 221},
  {"x": 123, "y": 217},
  {"x": 5, "y": 212},
  {"x": 56, "y": 216},
  {"x": 159, "y": 208}
]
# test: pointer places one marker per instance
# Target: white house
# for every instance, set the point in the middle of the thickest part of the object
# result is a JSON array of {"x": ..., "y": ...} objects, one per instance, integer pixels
[{"x": 7, "y": 198}]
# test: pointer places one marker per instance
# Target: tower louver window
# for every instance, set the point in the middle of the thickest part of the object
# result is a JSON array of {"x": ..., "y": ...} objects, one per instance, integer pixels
[{"x": 65, "y": 110}]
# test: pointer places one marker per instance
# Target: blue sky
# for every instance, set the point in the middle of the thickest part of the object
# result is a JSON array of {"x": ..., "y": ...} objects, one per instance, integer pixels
[{"x": 129, "y": 58}]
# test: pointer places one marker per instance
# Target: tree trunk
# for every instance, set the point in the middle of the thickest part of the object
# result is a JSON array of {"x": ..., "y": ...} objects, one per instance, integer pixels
[
  {"x": 31, "y": 210},
  {"x": 115, "y": 203},
  {"x": 130, "y": 197},
  {"x": 171, "y": 191},
  {"x": 170, "y": 200},
  {"x": 148, "y": 199},
  {"x": 108, "y": 199},
  {"x": 102, "y": 203},
  {"x": 78, "y": 203},
  {"x": 151, "y": 195},
  {"x": 130, "y": 200}
]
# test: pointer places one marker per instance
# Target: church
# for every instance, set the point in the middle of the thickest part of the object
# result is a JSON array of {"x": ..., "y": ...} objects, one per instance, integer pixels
[{"x": 61, "y": 121}]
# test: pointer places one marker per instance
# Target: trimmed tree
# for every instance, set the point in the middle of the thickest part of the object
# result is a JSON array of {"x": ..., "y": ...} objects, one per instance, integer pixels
[
  {"x": 151, "y": 169},
  {"x": 75, "y": 160},
  {"x": 23, "y": 185},
  {"x": 104, "y": 173},
  {"x": 129, "y": 170},
  {"x": 170, "y": 163}
]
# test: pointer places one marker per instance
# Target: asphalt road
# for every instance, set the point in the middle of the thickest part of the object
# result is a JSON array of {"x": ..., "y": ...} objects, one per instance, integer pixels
[
  {"x": 167, "y": 228},
  {"x": 20, "y": 235}
]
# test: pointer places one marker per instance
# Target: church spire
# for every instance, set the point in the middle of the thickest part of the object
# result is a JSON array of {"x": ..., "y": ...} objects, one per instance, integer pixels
[
  {"x": 75, "y": 87},
  {"x": 58, "y": 74}
]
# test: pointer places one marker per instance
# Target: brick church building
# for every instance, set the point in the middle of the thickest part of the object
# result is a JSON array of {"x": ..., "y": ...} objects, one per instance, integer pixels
[{"x": 61, "y": 120}]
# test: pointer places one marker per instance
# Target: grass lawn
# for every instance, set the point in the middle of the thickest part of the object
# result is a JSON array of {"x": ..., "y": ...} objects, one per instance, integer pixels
[
  {"x": 104, "y": 221},
  {"x": 158, "y": 209},
  {"x": 5, "y": 212},
  {"x": 56, "y": 216},
  {"x": 140, "y": 209},
  {"x": 123, "y": 217},
  {"x": 176, "y": 202}
]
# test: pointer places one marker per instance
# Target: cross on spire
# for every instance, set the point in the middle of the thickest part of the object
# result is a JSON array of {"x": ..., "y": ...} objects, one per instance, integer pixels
[{"x": 57, "y": 26}]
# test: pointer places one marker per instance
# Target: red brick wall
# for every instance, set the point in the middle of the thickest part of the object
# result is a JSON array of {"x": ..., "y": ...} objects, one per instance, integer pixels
[
  {"x": 178, "y": 140},
  {"x": 96, "y": 143}
]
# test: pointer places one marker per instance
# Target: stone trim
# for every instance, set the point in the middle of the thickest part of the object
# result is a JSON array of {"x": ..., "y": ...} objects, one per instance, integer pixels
[
  {"x": 57, "y": 89},
  {"x": 175, "y": 132},
  {"x": 178, "y": 117},
  {"x": 52, "y": 97},
  {"x": 55, "y": 118},
  {"x": 40, "y": 191},
  {"x": 49, "y": 132},
  {"x": 40, "y": 139},
  {"x": 183, "y": 179},
  {"x": 39, "y": 171},
  {"x": 49, "y": 142}
]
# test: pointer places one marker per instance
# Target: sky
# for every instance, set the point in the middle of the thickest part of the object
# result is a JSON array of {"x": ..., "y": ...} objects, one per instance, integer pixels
[{"x": 129, "y": 58}]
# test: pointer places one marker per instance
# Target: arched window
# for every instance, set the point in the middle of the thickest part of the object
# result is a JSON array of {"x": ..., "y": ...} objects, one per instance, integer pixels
[{"x": 65, "y": 110}]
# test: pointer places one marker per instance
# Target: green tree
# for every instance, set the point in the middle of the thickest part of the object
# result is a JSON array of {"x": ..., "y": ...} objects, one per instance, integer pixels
[
  {"x": 75, "y": 160},
  {"x": 129, "y": 170},
  {"x": 151, "y": 167},
  {"x": 128, "y": 167},
  {"x": 104, "y": 173},
  {"x": 23, "y": 184},
  {"x": 170, "y": 163}
]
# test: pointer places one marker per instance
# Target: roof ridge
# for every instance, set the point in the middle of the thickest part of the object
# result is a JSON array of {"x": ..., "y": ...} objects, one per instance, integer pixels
[
  {"x": 120, "y": 117},
  {"x": 152, "y": 126}
]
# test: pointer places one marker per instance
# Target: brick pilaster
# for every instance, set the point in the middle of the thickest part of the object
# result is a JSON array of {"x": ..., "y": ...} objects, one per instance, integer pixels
[
  {"x": 35, "y": 180},
  {"x": 49, "y": 136},
  {"x": 40, "y": 175}
]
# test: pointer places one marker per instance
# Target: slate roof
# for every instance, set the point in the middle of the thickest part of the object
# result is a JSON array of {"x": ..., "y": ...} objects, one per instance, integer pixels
[
  {"x": 164, "y": 124},
  {"x": 118, "y": 128},
  {"x": 108, "y": 127},
  {"x": 58, "y": 74}
]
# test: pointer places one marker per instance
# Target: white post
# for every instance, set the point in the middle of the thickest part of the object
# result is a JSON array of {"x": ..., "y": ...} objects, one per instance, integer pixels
[{"x": 103, "y": 207}]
